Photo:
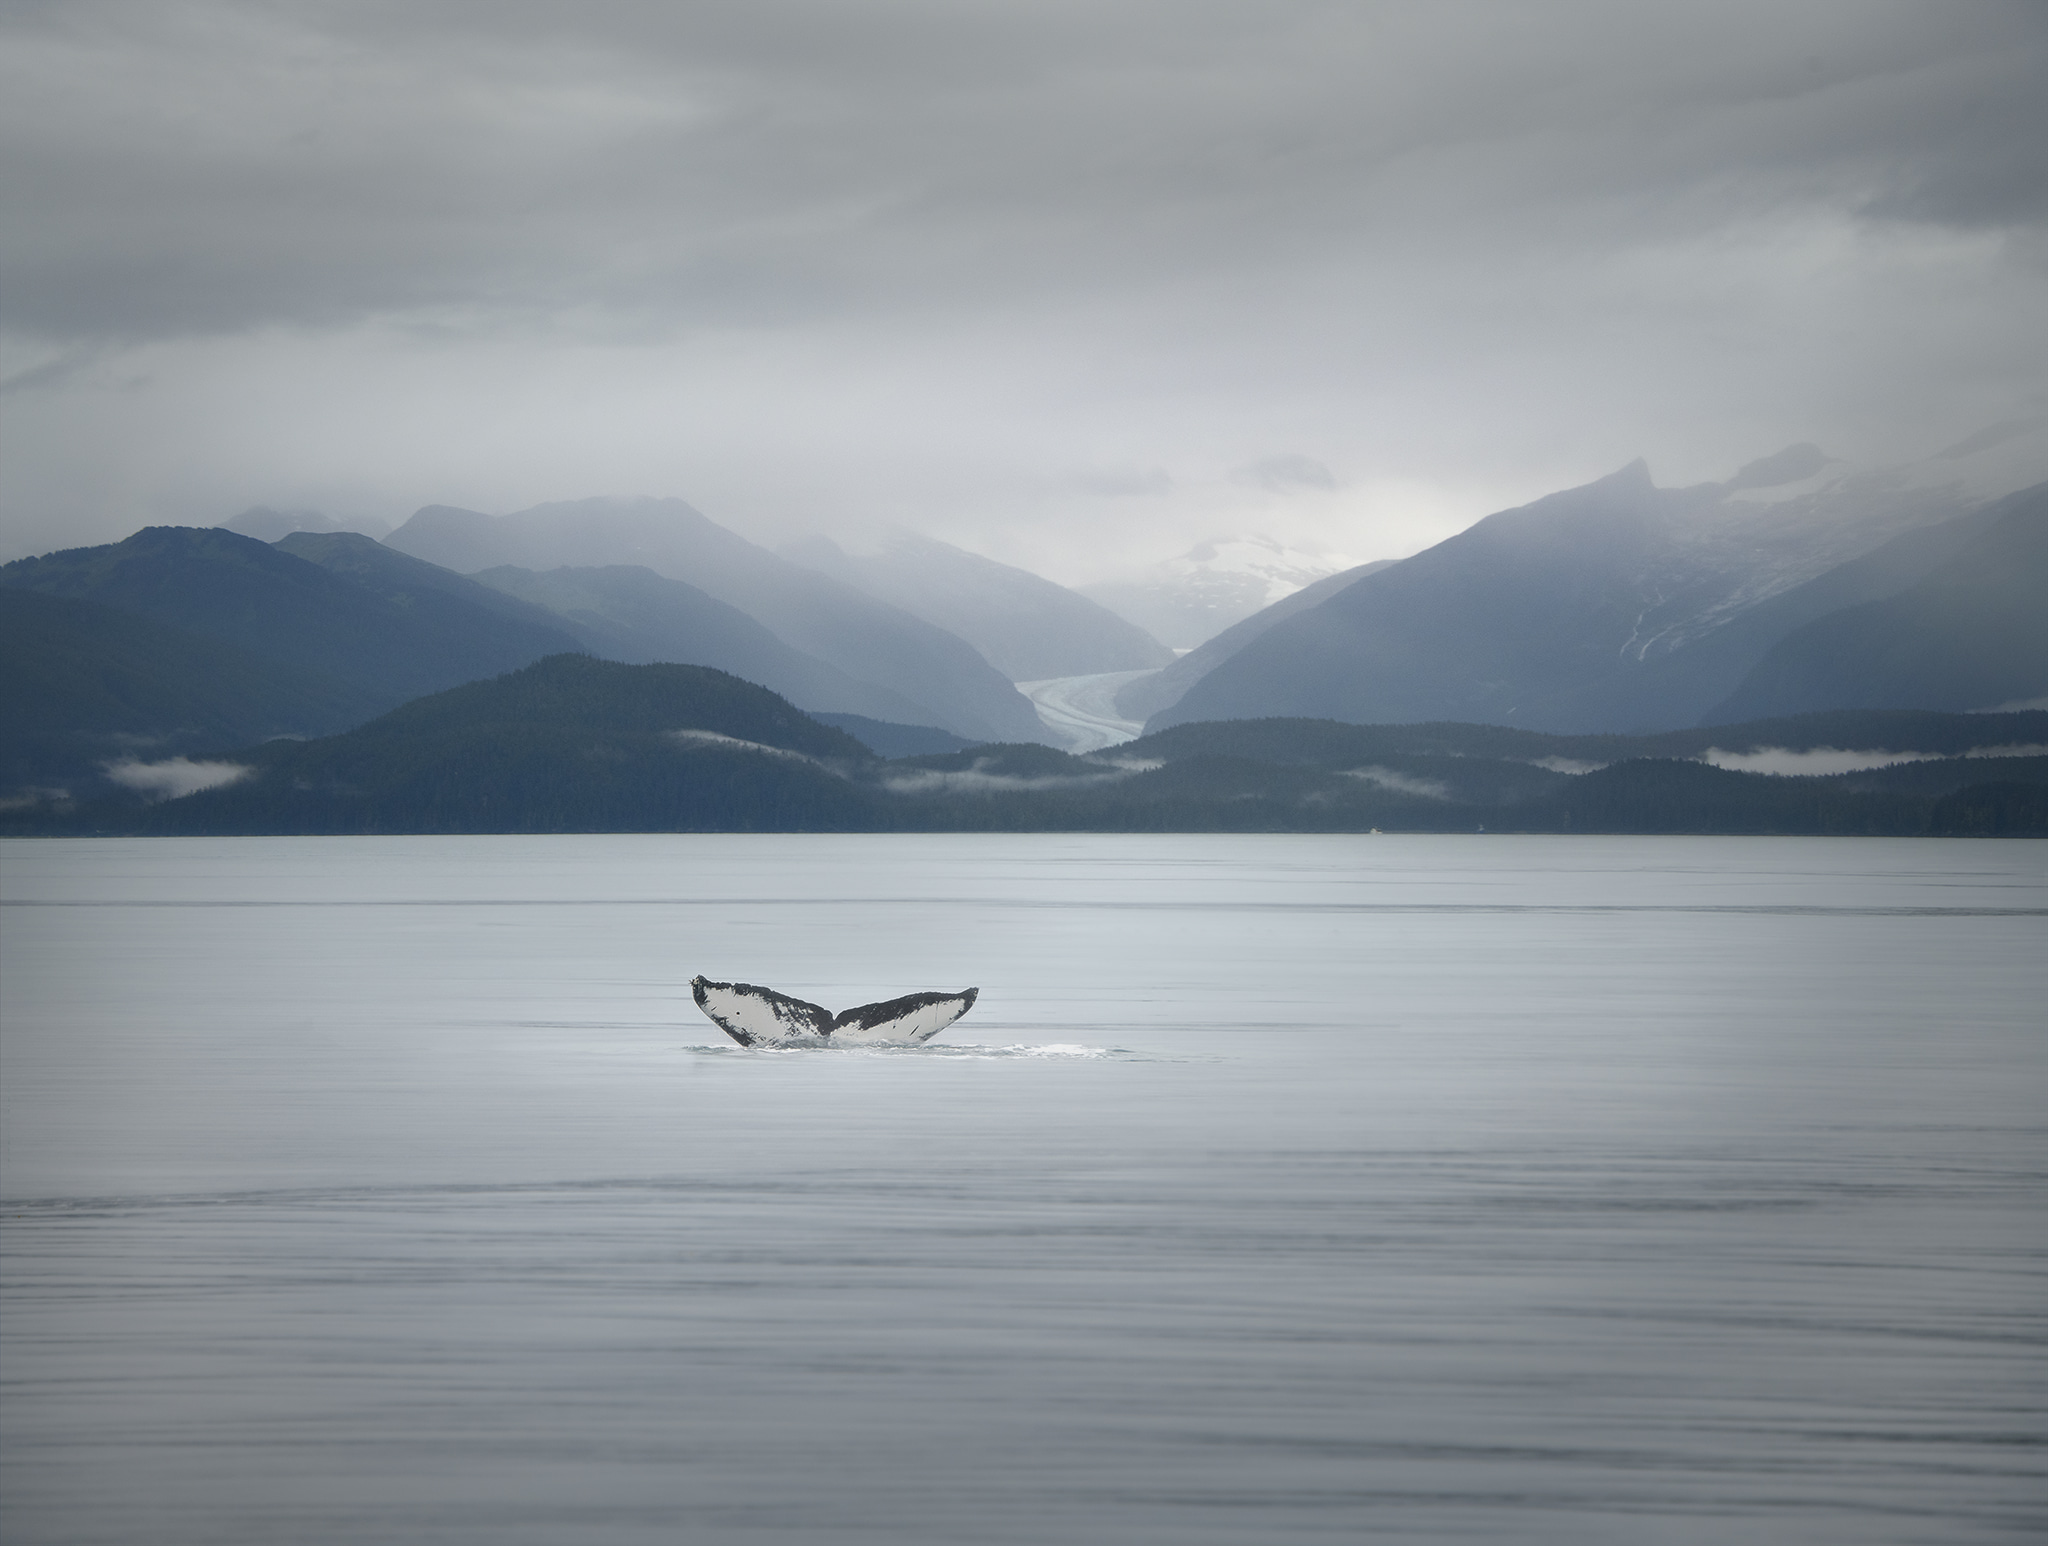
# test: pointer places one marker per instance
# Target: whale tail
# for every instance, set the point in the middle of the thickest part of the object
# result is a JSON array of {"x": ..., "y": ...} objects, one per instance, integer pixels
[
  {"x": 761, "y": 1017},
  {"x": 914, "y": 1018}
]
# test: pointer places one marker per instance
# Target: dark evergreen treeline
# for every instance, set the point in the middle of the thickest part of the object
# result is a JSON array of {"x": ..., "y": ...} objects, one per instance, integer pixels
[
  {"x": 573, "y": 744},
  {"x": 569, "y": 744},
  {"x": 82, "y": 679},
  {"x": 1954, "y": 797}
]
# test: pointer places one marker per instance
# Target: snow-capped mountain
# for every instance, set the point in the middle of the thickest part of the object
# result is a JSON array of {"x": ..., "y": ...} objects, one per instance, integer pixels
[
  {"x": 1617, "y": 606},
  {"x": 1192, "y": 598},
  {"x": 1972, "y": 635}
]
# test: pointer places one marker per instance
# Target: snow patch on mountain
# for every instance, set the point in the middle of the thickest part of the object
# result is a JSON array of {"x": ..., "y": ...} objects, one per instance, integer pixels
[
  {"x": 1191, "y": 598},
  {"x": 1254, "y": 563}
]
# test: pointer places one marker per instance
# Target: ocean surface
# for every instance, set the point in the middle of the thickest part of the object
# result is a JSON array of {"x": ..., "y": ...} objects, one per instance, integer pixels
[{"x": 1437, "y": 1189}]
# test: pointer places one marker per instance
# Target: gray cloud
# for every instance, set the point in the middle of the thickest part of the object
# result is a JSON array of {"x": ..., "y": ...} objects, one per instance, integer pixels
[
  {"x": 1277, "y": 474},
  {"x": 50, "y": 373},
  {"x": 1988, "y": 437},
  {"x": 182, "y": 168},
  {"x": 910, "y": 260},
  {"x": 1120, "y": 482}
]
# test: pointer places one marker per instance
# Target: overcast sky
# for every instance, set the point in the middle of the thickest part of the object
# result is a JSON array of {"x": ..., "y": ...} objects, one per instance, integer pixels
[{"x": 1074, "y": 285}]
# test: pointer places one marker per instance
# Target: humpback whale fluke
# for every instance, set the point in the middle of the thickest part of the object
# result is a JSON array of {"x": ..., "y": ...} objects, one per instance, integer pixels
[{"x": 761, "y": 1017}]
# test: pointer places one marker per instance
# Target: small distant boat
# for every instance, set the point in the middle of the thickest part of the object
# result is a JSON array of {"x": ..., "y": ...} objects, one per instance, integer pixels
[{"x": 761, "y": 1017}]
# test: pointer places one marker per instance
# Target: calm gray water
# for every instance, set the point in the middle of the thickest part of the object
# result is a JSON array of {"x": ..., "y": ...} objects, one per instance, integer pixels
[{"x": 1279, "y": 1189}]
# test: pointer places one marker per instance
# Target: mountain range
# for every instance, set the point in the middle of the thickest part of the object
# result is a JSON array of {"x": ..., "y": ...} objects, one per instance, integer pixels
[
  {"x": 952, "y": 686},
  {"x": 1971, "y": 633},
  {"x": 190, "y": 638},
  {"x": 628, "y": 613},
  {"x": 392, "y": 630},
  {"x": 182, "y": 639},
  {"x": 1619, "y": 606},
  {"x": 1026, "y": 627}
]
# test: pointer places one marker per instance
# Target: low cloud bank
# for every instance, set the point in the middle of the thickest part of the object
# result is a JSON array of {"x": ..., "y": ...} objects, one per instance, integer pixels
[
  {"x": 30, "y": 798},
  {"x": 733, "y": 742},
  {"x": 175, "y": 778},
  {"x": 976, "y": 780},
  {"x": 1401, "y": 783},
  {"x": 1815, "y": 763},
  {"x": 1820, "y": 761}
]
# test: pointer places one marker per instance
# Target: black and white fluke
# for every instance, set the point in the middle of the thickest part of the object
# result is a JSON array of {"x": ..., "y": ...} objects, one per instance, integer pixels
[{"x": 761, "y": 1017}]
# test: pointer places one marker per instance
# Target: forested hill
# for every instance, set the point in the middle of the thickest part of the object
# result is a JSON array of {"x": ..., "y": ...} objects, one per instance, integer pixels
[
  {"x": 390, "y": 637},
  {"x": 580, "y": 693},
  {"x": 568, "y": 744},
  {"x": 574, "y": 744},
  {"x": 87, "y": 684}
]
